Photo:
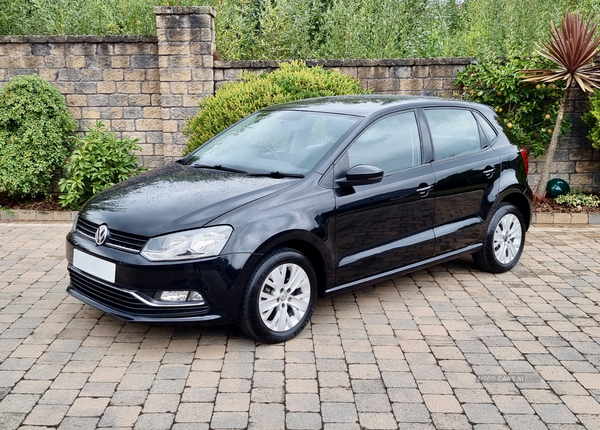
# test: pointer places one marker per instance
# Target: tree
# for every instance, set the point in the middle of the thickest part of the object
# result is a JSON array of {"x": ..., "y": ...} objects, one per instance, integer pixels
[{"x": 572, "y": 48}]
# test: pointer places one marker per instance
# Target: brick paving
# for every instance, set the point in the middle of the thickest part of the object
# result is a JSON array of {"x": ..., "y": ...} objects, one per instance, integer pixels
[{"x": 449, "y": 348}]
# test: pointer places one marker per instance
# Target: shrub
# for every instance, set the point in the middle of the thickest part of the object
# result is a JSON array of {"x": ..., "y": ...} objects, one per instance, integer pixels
[
  {"x": 100, "y": 159},
  {"x": 578, "y": 199},
  {"x": 35, "y": 127},
  {"x": 592, "y": 118},
  {"x": 235, "y": 100},
  {"x": 528, "y": 112}
]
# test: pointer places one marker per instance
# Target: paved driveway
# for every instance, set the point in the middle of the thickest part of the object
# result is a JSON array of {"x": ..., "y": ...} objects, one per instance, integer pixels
[{"x": 449, "y": 348}]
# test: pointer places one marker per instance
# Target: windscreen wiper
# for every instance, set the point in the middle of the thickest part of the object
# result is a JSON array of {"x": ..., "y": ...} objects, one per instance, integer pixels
[
  {"x": 219, "y": 167},
  {"x": 277, "y": 174}
]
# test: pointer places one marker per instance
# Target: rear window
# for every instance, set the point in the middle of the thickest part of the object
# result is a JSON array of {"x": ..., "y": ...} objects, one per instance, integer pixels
[{"x": 453, "y": 132}]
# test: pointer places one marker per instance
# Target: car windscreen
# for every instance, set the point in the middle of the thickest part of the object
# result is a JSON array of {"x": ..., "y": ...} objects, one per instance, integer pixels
[{"x": 274, "y": 141}]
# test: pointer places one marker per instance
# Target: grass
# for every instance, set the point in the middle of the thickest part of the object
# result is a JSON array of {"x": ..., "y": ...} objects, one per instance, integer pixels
[{"x": 303, "y": 29}]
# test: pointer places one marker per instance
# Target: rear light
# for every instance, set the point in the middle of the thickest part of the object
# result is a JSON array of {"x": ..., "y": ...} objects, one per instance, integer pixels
[{"x": 525, "y": 160}]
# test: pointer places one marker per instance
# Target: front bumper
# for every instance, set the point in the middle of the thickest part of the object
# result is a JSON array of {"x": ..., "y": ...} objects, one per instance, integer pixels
[{"x": 220, "y": 280}]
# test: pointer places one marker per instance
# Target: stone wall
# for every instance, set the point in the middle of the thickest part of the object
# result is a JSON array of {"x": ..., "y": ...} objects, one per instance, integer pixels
[
  {"x": 142, "y": 87},
  {"x": 408, "y": 76},
  {"x": 186, "y": 43},
  {"x": 145, "y": 87},
  {"x": 112, "y": 79}
]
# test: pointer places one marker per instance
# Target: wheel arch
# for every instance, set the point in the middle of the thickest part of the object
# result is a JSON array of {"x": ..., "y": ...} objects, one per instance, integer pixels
[
  {"x": 521, "y": 202},
  {"x": 303, "y": 242}
]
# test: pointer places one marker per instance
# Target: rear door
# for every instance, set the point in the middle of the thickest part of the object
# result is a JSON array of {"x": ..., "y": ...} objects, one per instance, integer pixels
[
  {"x": 383, "y": 226},
  {"x": 465, "y": 168}
]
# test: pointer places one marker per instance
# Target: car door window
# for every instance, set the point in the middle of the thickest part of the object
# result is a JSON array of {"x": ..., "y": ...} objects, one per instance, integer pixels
[
  {"x": 453, "y": 132},
  {"x": 392, "y": 144},
  {"x": 489, "y": 132}
]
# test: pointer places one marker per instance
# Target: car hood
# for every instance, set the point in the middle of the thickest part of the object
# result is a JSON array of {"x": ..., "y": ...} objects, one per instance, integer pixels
[{"x": 175, "y": 198}]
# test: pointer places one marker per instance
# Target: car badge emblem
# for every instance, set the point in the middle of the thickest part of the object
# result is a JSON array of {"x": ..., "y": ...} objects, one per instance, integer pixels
[{"x": 101, "y": 234}]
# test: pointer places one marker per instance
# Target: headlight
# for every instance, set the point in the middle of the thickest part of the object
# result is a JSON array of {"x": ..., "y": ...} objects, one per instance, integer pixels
[{"x": 203, "y": 242}]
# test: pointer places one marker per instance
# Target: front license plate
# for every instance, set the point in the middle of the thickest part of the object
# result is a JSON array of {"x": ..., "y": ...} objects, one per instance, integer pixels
[{"x": 94, "y": 266}]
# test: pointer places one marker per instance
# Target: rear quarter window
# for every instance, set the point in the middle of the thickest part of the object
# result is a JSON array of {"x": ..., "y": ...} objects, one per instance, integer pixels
[{"x": 488, "y": 130}]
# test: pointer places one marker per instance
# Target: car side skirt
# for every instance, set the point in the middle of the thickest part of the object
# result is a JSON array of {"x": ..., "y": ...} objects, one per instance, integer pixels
[{"x": 405, "y": 269}]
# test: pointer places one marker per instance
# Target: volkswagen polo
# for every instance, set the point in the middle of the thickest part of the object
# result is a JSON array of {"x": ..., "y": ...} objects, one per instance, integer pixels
[{"x": 301, "y": 200}]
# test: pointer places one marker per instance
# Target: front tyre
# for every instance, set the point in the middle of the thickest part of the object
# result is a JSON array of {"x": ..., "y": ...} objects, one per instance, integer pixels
[
  {"x": 503, "y": 242},
  {"x": 279, "y": 298}
]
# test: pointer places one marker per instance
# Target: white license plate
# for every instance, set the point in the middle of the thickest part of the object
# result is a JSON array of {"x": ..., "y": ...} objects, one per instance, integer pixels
[{"x": 94, "y": 266}]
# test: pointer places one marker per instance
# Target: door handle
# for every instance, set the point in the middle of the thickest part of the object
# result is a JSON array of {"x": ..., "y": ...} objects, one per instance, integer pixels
[
  {"x": 424, "y": 189},
  {"x": 489, "y": 171}
]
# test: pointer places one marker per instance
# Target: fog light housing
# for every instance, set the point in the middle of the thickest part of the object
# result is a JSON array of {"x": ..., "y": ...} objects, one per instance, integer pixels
[
  {"x": 172, "y": 296},
  {"x": 180, "y": 297},
  {"x": 195, "y": 296}
]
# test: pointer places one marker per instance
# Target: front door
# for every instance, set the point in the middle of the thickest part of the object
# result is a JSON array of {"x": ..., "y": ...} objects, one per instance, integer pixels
[{"x": 381, "y": 227}]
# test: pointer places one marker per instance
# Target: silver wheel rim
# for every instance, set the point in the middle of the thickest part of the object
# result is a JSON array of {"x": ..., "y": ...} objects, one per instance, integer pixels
[
  {"x": 284, "y": 297},
  {"x": 507, "y": 239}
]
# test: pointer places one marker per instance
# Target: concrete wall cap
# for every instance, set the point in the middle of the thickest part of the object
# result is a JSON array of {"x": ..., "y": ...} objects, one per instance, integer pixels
[
  {"x": 184, "y": 10},
  {"x": 364, "y": 62},
  {"x": 78, "y": 39}
]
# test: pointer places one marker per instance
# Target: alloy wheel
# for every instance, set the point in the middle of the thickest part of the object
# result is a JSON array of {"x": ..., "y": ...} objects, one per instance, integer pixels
[
  {"x": 507, "y": 239},
  {"x": 284, "y": 297}
]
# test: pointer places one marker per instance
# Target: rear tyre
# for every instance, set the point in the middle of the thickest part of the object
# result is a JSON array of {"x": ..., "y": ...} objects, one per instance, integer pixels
[
  {"x": 279, "y": 298},
  {"x": 503, "y": 242}
]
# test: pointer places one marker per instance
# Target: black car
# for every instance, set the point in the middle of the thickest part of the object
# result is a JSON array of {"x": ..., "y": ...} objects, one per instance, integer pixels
[{"x": 301, "y": 200}]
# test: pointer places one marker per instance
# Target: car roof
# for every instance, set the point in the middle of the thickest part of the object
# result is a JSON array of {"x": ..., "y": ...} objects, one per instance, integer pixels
[{"x": 366, "y": 105}]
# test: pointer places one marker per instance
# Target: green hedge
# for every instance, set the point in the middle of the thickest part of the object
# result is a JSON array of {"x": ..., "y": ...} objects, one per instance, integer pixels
[
  {"x": 592, "y": 118},
  {"x": 35, "y": 128}
]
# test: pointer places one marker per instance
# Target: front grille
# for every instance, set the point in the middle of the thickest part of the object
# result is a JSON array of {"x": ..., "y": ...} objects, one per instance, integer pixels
[
  {"x": 123, "y": 301},
  {"x": 123, "y": 241}
]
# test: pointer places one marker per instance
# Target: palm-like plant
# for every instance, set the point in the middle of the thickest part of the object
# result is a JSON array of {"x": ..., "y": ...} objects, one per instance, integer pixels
[{"x": 572, "y": 48}]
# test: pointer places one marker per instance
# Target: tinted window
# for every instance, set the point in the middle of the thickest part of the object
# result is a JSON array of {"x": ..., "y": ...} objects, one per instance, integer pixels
[
  {"x": 453, "y": 131},
  {"x": 392, "y": 144},
  {"x": 489, "y": 132}
]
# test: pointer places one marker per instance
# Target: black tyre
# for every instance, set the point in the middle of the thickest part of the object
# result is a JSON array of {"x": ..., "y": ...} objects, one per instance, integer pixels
[
  {"x": 279, "y": 298},
  {"x": 503, "y": 242}
]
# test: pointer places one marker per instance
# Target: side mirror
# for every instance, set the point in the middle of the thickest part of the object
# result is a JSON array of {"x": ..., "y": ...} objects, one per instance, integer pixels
[{"x": 361, "y": 174}]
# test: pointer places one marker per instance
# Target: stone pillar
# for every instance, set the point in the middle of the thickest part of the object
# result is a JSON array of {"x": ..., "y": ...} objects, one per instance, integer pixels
[{"x": 186, "y": 42}]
